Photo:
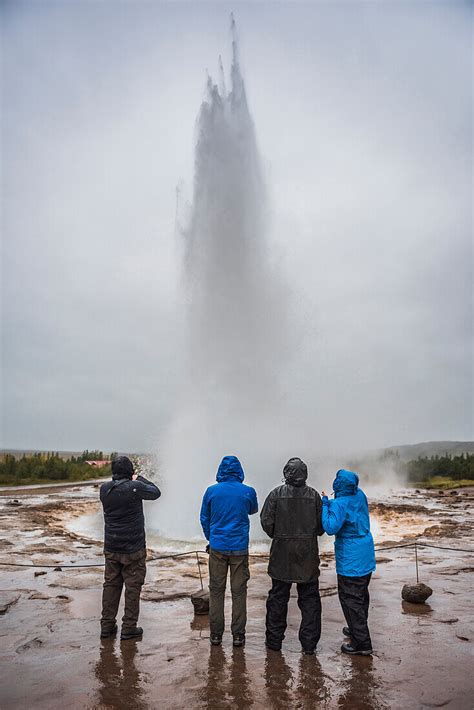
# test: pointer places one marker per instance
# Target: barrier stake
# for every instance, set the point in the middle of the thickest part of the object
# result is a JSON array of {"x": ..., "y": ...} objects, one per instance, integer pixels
[{"x": 199, "y": 569}]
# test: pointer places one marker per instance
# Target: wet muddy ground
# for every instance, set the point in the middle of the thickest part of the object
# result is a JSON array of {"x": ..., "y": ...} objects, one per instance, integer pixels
[{"x": 51, "y": 655}]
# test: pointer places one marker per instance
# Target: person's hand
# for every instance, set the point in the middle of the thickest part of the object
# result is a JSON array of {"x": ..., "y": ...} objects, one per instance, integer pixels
[
  {"x": 135, "y": 476},
  {"x": 207, "y": 548},
  {"x": 324, "y": 494}
]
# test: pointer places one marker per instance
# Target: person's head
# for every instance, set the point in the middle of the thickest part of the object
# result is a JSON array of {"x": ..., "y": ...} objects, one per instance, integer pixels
[
  {"x": 122, "y": 467},
  {"x": 295, "y": 472},
  {"x": 229, "y": 469},
  {"x": 346, "y": 483}
]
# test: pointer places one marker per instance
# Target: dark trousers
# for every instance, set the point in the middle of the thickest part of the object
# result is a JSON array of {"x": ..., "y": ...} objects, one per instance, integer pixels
[
  {"x": 122, "y": 569},
  {"x": 354, "y": 598},
  {"x": 309, "y": 603},
  {"x": 219, "y": 564}
]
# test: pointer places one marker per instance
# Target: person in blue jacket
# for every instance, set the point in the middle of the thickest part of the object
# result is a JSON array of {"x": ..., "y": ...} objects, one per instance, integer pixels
[
  {"x": 347, "y": 517},
  {"x": 225, "y": 511}
]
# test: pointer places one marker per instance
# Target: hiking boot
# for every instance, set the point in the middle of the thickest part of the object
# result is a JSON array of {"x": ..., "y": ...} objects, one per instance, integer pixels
[
  {"x": 135, "y": 633},
  {"x": 346, "y": 631},
  {"x": 216, "y": 639},
  {"x": 271, "y": 647},
  {"x": 106, "y": 634},
  {"x": 239, "y": 640},
  {"x": 351, "y": 651},
  {"x": 308, "y": 652}
]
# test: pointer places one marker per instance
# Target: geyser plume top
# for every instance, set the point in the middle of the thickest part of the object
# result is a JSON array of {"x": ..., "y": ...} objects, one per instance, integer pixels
[{"x": 231, "y": 302}]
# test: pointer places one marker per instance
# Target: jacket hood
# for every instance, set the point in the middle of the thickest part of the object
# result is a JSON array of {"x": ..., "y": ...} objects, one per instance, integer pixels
[
  {"x": 230, "y": 469},
  {"x": 346, "y": 483},
  {"x": 122, "y": 467},
  {"x": 295, "y": 472}
]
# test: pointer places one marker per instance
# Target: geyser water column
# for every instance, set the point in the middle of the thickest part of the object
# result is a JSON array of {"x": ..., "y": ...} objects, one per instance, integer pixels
[{"x": 234, "y": 315}]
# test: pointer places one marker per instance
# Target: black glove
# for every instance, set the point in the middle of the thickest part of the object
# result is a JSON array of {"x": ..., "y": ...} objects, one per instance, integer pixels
[{"x": 207, "y": 548}]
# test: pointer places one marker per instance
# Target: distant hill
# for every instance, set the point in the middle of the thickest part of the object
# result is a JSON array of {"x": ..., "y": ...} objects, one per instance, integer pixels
[{"x": 409, "y": 452}]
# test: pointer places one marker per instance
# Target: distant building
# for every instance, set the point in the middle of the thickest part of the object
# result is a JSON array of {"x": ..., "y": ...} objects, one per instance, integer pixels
[{"x": 98, "y": 464}]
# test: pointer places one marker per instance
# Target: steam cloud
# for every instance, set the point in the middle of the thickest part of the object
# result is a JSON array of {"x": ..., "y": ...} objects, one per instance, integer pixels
[{"x": 237, "y": 326}]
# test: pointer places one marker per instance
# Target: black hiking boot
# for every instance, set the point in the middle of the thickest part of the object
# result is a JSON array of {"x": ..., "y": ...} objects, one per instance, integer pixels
[
  {"x": 346, "y": 631},
  {"x": 135, "y": 633},
  {"x": 308, "y": 651},
  {"x": 239, "y": 640},
  {"x": 272, "y": 647},
  {"x": 106, "y": 634},
  {"x": 351, "y": 651},
  {"x": 216, "y": 639}
]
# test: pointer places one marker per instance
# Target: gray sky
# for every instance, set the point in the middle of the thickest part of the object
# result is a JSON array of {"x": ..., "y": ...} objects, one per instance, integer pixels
[{"x": 363, "y": 119}]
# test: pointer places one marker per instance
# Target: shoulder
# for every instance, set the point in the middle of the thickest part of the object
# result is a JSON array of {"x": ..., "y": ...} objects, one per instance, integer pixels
[
  {"x": 279, "y": 492},
  {"x": 340, "y": 503},
  {"x": 248, "y": 489},
  {"x": 311, "y": 492},
  {"x": 361, "y": 498},
  {"x": 105, "y": 487}
]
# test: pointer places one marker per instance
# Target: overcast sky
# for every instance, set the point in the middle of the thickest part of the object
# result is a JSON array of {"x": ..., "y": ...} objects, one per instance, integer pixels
[{"x": 363, "y": 120}]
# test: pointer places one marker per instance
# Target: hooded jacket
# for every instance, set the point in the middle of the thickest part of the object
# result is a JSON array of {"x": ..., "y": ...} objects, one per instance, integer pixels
[
  {"x": 347, "y": 517},
  {"x": 226, "y": 507},
  {"x": 121, "y": 500},
  {"x": 291, "y": 516}
]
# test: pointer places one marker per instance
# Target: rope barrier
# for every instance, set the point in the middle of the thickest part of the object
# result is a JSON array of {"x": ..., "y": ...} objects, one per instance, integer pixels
[{"x": 260, "y": 556}]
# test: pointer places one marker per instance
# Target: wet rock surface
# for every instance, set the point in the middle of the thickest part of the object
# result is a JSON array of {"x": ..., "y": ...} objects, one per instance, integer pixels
[
  {"x": 52, "y": 643},
  {"x": 200, "y": 601},
  {"x": 29, "y": 645},
  {"x": 416, "y": 593},
  {"x": 7, "y": 600}
]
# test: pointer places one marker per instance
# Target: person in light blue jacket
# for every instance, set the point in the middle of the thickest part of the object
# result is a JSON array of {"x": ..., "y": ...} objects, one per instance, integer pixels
[
  {"x": 225, "y": 511},
  {"x": 347, "y": 517}
]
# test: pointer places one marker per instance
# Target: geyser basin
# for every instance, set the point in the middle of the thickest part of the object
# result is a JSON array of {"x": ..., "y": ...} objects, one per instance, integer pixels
[{"x": 389, "y": 522}]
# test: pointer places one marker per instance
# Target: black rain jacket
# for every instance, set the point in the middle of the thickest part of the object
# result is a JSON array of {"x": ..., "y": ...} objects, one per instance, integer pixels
[
  {"x": 123, "y": 513},
  {"x": 291, "y": 516}
]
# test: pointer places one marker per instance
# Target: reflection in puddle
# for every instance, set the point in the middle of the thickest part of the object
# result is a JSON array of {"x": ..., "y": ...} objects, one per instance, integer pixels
[
  {"x": 416, "y": 609},
  {"x": 360, "y": 688},
  {"x": 278, "y": 680},
  {"x": 303, "y": 688},
  {"x": 200, "y": 622},
  {"x": 120, "y": 681},
  {"x": 312, "y": 686},
  {"x": 228, "y": 682}
]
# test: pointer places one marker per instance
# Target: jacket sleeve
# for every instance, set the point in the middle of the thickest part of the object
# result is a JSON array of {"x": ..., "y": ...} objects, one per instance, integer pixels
[
  {"x": 333, "y": 515},
  {"x": 146, "y": 489},
  {"x": 267, "y": 516},
  {"x": 253, "y": 502},
  {"x": 319, "y": 522},
  {"x": 205, "y": 516}
]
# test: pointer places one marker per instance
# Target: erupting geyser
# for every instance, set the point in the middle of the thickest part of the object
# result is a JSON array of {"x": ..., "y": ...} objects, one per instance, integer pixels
[{"x": 236, "y": 334}]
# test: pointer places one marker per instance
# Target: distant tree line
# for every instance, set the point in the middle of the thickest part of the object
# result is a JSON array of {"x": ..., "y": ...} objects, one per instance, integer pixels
[
  {"x": 50, "y": 466},
  {"x": 424, "y": 469},
  {"x": 447, "y": 466}
]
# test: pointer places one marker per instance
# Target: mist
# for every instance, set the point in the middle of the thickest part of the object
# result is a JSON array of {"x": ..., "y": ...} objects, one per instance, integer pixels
[{"x": 362, "y": 118}]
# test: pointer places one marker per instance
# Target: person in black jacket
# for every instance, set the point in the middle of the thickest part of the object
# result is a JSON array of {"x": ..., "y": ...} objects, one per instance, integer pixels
[
  {"x": 291, "y": 516},
  {"x": 124, "y": 546}
]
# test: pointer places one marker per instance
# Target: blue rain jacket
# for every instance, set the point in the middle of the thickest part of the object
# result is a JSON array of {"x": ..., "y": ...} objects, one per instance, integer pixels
[
  {"x": 226, "y": 507},
  {"x": 347, "y": 517}
]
